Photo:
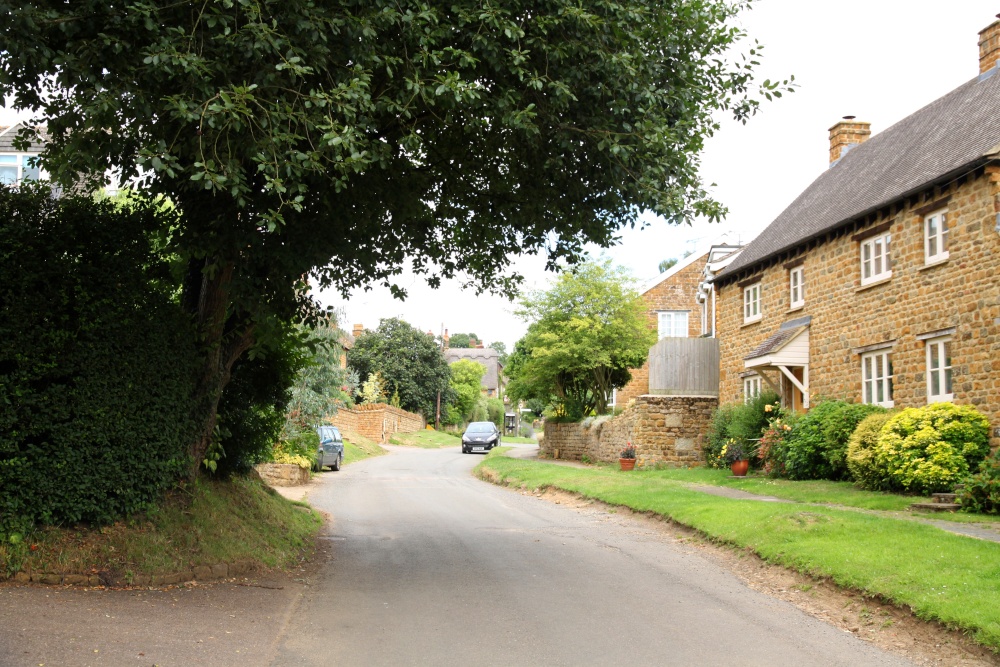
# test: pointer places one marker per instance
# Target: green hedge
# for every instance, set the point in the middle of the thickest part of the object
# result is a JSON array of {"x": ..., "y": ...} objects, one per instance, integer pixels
[{"x": 97, "y": 362}]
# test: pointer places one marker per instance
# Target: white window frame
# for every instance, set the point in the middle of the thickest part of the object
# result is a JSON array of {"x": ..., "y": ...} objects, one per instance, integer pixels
[
  {"x": 751, "y": 303},
  {"x": 19, "y": 165},
  {"x": 796, "y": 287},
  {"x": 939, "y": 350},
  {"x": 751, "y": 387},
  {"x": 876, "y": 376},
  {"x": 876, "y": 258},
  {"x": 672, "y": 324},
  {"x": 936, "y": 237}
]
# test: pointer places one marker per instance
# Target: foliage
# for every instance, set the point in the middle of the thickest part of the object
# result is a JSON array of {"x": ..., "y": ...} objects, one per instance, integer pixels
[
  {"x": 861, "y": 450},
  {"x": 742, "y": 422},
  {"x": 816, "y": 448},
  {"x": 97, "y": 362},
  {"x": 501, "y": 349},
  {"x": 734, "y": 451},
  {"x": 928, "y": 449},
  {"x": 628, "y": 451},
  {"x": 352, "y": 141},
  {"x": 299, "y": 447},
  {"x": 586, "y": 331},
  {"x": 409, "y": 361},
  {"x": 463, "y": 340},
  {"x": 667, "y": 264},
  {"x": 373, "y": 389},
  {"x": 321, "y": 386},
  {"x": 466, "y": 388},
  {"x": 771, "y": 447},
  {"x": 981, "y": 492},
  {"x": 525, "y": 430},
  {"x": 495, "y": 412}
]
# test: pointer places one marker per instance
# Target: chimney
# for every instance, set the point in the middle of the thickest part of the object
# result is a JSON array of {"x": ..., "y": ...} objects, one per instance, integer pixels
[
  {"x": 358, "y": 330},
  {"x": 847, "y": 134},
  {"x": 989, "y": 46},
  {"x": 446, "y": 338}
]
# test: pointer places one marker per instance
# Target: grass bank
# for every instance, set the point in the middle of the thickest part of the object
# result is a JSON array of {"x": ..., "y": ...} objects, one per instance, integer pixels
[
  {"x": 426, "y": 439},
  {"x": 358, "y": 448},
  {"x": 940, "y": 576},
  {"x": 236, "y": 521}
]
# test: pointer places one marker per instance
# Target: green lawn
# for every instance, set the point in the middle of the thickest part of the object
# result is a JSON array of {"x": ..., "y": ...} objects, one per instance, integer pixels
[
  {"x": 519, "y": 440},
  {"x": 358, "y": 448},
  {"x": 426, "y": 439},
  {"x": 941, "y": 576}
]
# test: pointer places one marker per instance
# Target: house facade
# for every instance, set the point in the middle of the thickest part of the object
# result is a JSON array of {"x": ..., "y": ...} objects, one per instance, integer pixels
[
  {"x": 493, "y": 382},
  {"x": 17, "y": 165},
  {"x": 880, "y": 283}
]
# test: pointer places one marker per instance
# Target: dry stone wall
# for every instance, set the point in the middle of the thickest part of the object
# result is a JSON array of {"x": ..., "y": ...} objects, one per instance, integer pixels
[
  {"x": 665, "y": 430},
  {"x": 377, "y": 421}
]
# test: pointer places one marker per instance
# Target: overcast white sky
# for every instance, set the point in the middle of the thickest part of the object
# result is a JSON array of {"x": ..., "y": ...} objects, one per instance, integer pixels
[{"x": 879, "y": 60}]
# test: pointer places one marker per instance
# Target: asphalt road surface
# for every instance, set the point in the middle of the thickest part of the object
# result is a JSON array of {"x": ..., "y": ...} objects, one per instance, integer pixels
[{"x": 430, "y": 566}]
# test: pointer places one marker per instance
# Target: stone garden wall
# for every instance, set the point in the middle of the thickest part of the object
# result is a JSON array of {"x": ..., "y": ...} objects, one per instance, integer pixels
[
  {"x": 667, "y": 430},
  {"x": 377, "y": 421}
]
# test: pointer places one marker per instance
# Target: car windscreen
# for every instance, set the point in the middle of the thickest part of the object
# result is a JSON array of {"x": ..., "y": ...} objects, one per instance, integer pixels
[{"x": 480, "y": 428}]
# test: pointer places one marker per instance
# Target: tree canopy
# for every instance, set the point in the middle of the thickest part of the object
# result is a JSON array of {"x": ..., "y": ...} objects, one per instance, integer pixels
[
  {"x": 462, "y": 340},
  {"x": 585, "y": 333},
  {"x": 410, "y": 364},
  {"x": 346, "y": 141}
]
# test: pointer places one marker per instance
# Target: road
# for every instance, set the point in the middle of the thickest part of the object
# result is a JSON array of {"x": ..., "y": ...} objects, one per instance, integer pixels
[{"x": 431, "y": 566}]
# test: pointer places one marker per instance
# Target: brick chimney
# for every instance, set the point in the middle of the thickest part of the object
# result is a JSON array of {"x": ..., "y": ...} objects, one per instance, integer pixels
[
  {"x": 847, "y": 134},
  {"x": 358, "y": 330},
  {"x": 989, "y": 46},
  {"x": 445, "y": 339}
]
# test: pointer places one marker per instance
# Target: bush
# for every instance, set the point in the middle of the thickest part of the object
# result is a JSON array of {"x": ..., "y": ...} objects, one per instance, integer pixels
[
  {"x": 982, "y": 490},
  {"x": 299, "y": 448},
  {"x": 525, "y": 430},
  {"x": 495, "y": 411},
  {"x": 861, "y": 450},
  {"x": 817, "y": 447},
  {"x": 930, "y": 449},
  {"x": 742, "y": 422},
  {"x": 98, "y": 357}
]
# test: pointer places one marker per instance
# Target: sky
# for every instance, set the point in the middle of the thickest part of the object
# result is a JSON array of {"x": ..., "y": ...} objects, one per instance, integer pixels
[{"x": 878, "y": 60}]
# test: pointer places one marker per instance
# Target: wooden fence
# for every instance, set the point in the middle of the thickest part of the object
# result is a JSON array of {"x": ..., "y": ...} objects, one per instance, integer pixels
[{"x": 684, "y": 367}]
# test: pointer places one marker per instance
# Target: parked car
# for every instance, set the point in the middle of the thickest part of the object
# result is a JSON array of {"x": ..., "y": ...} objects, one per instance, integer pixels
[
  {"x": 331, "y": 448},
  {"x": 480, "y": 437}
]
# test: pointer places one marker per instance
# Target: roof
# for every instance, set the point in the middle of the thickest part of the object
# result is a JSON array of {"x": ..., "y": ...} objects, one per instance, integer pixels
[
  {"x": 673, "y": 270},
  {"x": 944, "y": 139},
  {"x": 774, "y": 342},
  {"x": 485, "y": 356},
  {"x": 7, "y": 136}
]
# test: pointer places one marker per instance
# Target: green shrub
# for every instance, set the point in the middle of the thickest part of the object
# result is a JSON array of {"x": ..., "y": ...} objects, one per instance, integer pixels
[
  {"x": 982, "y": 491},
  {"x": 817, "y": 447},
  {"x": 929, "y": 449},
  {"x": 299, "y": 447},
  {"x": 743, "y": 422},
  {"x": 861, "y": 450},
  {"x": 495, "y": 411},
  {"x": 97, "y": 361}
]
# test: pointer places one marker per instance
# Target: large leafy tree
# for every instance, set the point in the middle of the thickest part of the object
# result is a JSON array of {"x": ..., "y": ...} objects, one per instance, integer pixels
[
  {"x": 346, "y": 140},
  {"x": 585, "y": 333},
  {"x": 462, "y": 340},
  {"x": 410, "y": 362}
]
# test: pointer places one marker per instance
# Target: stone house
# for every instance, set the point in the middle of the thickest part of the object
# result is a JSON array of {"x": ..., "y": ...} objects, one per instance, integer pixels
[
  {"x": 17, "y": 165},
  {"x": 493, "y": 381},
  {"x": 880, "y": 283}
]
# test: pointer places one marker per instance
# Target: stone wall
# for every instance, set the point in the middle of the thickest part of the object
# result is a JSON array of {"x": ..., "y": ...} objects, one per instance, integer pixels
[
  {"x": 667, "y": 430},
  {"x": 960, "y": 293},
  {"x": 377, "y": 421},
  {"x": 282, "y": 474}
]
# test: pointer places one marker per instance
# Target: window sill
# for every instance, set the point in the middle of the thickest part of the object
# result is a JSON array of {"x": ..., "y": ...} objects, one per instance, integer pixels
[
  {"x": 935, "y": 263},
  {"x": 874, "y": 283},
  {"x": 750, "y": 323},
  {"x": 797, "y": 308}
]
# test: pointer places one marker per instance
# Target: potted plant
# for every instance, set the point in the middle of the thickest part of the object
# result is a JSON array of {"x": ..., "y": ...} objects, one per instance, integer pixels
[
  {"x": 736, "y": 457},
  {"x": 626, "y": 459}
]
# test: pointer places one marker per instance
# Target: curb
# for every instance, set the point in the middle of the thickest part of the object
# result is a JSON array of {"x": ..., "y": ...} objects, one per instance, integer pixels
[{"x": 199, "y": 573}]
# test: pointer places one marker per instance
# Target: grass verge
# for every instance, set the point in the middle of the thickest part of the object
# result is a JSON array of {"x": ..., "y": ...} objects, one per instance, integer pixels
[
  {"x": 426, "y": 439},
  {"x": 236, "y": 521},
  {"x": 940, "y": 576},
  {"x": 358, "y": 448}
]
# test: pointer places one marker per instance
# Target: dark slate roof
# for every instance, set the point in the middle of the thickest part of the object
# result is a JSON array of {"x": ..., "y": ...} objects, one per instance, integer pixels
[
  {"x": 943, "y": 139},
  {"x": 486, "y": 357},
  {"x": 774, "y": 342},
  {"x": 7, "y": 136}
]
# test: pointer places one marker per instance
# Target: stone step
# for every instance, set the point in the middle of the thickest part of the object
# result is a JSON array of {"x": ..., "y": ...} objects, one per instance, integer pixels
[
  {"x": 936, "y": 507},
  {"x": 944, "y": 497}
]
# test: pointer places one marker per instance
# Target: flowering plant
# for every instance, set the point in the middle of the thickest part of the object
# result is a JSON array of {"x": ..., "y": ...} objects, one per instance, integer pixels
[
  {"x": 770, "y": 449},
  {"x": 628, "y": 452},
  {"x": 733, "y": 451}
]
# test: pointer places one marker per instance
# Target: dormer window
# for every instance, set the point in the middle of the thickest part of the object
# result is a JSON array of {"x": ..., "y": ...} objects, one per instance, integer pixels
[{"x": 936, "y": 237}]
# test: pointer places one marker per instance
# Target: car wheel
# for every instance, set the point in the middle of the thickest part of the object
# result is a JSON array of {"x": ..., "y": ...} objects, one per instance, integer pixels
[
  {"x": 336, "y": 464},
  {"x": 318, "y": 466}
]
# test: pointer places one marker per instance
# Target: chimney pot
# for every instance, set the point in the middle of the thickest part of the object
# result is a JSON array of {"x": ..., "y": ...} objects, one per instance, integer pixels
[
  {"x": 358, "y": 330},
  {"x": 847, "y": 134},
  {"x": 989, "y": 46}
]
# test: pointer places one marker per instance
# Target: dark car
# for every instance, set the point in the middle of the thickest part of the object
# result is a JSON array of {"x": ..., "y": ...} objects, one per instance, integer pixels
[
  {"x": 480, "y": 437},
  {"x": 331, "y": 448}
]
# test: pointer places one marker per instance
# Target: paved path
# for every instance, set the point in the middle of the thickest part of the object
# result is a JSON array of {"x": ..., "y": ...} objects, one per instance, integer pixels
[{"x": 433, "y": 567}]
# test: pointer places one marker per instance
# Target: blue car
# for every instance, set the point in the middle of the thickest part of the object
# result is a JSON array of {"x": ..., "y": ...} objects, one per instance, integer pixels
[{"x": 331, "y": 448}]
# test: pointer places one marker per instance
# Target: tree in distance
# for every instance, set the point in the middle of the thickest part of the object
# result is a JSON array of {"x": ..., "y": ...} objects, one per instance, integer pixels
[
  {"x": 466, "y": 384},
  {"x": 461, "y": 340},
  {"x": 408, "y": 361},
  {"x": 349, "y": 141},
  {"x": 585, "y": 333}
]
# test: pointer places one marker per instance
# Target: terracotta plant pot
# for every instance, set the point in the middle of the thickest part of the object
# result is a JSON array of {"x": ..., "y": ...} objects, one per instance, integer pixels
[
  {"x": 626, "y": 464},
  {"x": 740, "y": 468}
]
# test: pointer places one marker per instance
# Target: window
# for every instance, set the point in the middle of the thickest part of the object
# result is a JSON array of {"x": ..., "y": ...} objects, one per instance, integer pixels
[
  {"x": 17, "y": 168},
  {"x": 751, "y": 303},
  {"x": 751, "y": 387},
  {"x": 939, "y": 370},
  {"x": 875, "y": 262},
  {"x": 796, "y": 287},
  {"x": 673, "y": 323},
  {"x": 936, "y": 237},
  {"x": 876, "y": 378}
]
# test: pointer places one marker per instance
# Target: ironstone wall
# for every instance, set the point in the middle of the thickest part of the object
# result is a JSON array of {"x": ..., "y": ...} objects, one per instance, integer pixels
[{"x": 377, "y": 421}]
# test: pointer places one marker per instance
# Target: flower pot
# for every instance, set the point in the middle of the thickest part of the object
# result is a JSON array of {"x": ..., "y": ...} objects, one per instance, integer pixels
[
  {"x": 626, "y": 464},
  {"x": 740, "y": 468}
]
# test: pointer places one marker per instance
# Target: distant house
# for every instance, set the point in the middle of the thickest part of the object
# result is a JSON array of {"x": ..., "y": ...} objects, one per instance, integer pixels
[
  {"x": 880, "y": 283},
  {"x": 492, "y": 382},
  {"x": 16, "y": 165}
]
